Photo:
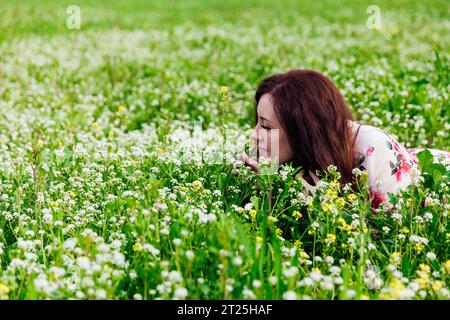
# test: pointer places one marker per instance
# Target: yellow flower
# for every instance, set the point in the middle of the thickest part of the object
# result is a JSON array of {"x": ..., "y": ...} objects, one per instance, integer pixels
[
  {"x": 137, "y": 247},
  {"x": 395, "y": 258},
  {"x": 96, "y": 126},
  {"x": 423, "y": 282},
  {"x": 259, "y": 239},
  {"x": 335, "y": 184},
  {"x": 424, "y": 268},
  {"x": 279, "y": 231},
  {"x": 331, "y": 238},
  {"x": 121, "y": 109},
  {"x": 304, "y": 255},
  {"x": 396, "y": 285},
  {"x": 340, "y": 202},
  {"x": 447, "y": 267},
  {"x": 316, "y": 270},
  {"x": 252, "y": 213},
  {"x": 344, "y": 225},
  {"x": 331, "y": 194},
  {"x": 3, "y": 289},
  {"x": 197, "y": 184},
  {"x": 297, "y": 215},
  {"x": 404, "y": 230},
  {"x": 272, "y": 219},
  {"x": 352, "y": 197},
  {"x": 223, "y": 90},
  {"x": 327, "y": 207},
  {"x": 436, "y": 285},
  {"x": 344, "y": 245},
  {"x": 298, "y": 244}
]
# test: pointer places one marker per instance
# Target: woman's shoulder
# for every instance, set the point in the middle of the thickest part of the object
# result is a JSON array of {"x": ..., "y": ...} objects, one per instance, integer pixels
[{"x": 368, "y": 137}]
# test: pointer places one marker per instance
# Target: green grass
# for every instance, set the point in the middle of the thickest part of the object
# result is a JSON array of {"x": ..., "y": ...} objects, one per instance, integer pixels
[{"x": 97, "y": 200}]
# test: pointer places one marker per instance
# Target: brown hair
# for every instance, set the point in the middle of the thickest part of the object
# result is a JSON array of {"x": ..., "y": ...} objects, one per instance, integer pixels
[{"x": 315, "y": 117}]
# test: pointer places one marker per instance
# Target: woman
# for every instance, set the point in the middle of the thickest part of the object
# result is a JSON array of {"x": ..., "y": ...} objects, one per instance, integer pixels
[{"x": 316, "y": 129}]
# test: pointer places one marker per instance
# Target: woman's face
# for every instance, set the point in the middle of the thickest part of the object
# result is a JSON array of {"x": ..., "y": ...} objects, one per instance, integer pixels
[{"x": 270, "y": 137}]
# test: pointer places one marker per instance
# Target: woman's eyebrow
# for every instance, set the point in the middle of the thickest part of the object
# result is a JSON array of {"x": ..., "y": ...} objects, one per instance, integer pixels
[{"x": 262, "y": 118}]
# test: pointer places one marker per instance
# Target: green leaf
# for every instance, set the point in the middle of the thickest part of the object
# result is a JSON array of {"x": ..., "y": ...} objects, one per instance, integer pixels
[{"x": 425, "y": 160}]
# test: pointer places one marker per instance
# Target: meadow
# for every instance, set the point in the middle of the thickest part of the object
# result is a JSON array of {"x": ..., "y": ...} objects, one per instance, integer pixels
[{"x": 104, "y": 193}]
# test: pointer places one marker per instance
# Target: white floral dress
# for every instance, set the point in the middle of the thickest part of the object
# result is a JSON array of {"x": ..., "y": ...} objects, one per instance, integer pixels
[{"x": 390, "y": 165}]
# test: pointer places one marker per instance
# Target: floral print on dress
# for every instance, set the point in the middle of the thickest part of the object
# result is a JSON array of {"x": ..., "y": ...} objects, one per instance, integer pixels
[
  {"x": 388, "y": 163},
  {"x": 402, "y": 165}
]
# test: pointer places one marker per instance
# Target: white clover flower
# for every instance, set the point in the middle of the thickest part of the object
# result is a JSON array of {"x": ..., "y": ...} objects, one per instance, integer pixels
[
  {"x": 315, "y": 276},
  {"x": 237, "y": 261},
  {"x": 418, "y": 239},
  {"x": 175, "y": 276},
  {"x": 248, "y": 294},
  {"x": 256, "y": 283},
  {"x": 190, "y": 254},
  {"x": 290, "y": 295},
  {"x": 350, "y": 293},
  {"x": 414, "y": 286},
  {"x": 431, "y": 256},
  {"x": 100, "y": 294},
  {"x": 335, "y": 270},
  {"x": 291, "y": 272},
  {"x": 180, "y": 293},
  {"x": 83, "y": 263},
  {"x": 273, "y": 280},
  {"x": 327, "y": 284},
  {"x": 407, "y": 294},
  {"x": 318, "y": 258},
  {"x": 315, "y": 225}
]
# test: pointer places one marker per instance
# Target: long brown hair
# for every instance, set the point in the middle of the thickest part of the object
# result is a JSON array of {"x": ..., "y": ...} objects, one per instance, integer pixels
[{"x": 315, "y": 117}]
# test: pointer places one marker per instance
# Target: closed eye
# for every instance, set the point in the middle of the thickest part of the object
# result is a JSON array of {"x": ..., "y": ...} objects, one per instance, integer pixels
[{"x": 266, "y": 128}]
